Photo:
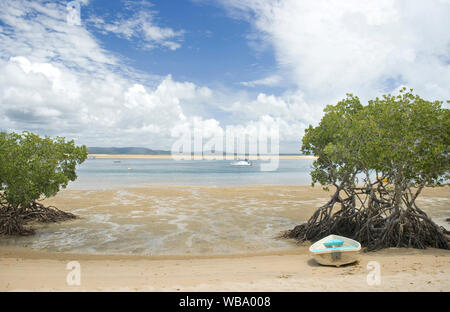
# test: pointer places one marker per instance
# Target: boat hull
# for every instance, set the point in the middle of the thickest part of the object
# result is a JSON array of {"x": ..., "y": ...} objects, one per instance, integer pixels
[
  {"x": 337, "y": 258},
  {"x": 346, "y": 253}
]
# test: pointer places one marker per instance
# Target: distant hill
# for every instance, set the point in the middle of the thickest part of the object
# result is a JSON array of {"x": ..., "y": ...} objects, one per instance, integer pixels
[
  {"x": 126, "y": 151},
  {"x": 145, "y": 151}
]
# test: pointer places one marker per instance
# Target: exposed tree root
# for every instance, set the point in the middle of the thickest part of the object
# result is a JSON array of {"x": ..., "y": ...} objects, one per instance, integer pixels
[
  {"x": 14, "y": 220},
  {"x": 369, "y": 216}
]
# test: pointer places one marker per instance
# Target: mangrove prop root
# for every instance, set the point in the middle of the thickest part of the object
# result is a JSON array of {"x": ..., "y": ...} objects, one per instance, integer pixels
[
  {"x": 14, "y": 220},
  {"x": 368, "y": 215}
]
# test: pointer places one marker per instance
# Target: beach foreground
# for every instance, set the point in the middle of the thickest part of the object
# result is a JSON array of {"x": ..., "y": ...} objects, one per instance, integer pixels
[
  {"x": 400, "y": 270},
  {"x": 195, "y": 224}
]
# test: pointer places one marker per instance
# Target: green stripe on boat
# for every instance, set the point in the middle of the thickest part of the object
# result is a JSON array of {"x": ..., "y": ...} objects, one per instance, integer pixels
[
  {"x": 333, "y": 242},
  {"x": 336, "y": 248}
]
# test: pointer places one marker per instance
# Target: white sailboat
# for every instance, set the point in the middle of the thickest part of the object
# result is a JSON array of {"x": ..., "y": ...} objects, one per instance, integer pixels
[{"x": 242, "y": 163}]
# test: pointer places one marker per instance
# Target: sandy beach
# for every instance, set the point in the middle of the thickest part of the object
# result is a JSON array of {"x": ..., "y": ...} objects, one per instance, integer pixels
[
  {"x": 236, "y": 252},
  {"x": 400, "y": 269}
]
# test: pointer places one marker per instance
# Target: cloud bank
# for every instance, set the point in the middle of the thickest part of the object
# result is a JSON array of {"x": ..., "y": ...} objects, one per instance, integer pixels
[
  {"x": 56, "y": 79},
  {"x": 330, "y": 47}
]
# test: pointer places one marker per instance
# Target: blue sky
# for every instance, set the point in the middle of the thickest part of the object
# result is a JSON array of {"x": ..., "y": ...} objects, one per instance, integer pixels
[
  {"x": 142, "y": 73},
  {"x": 214, "y": 49}
]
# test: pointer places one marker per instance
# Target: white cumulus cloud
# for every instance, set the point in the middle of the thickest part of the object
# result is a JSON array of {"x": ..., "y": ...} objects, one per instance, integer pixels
[{"x": 367, "y": 47}]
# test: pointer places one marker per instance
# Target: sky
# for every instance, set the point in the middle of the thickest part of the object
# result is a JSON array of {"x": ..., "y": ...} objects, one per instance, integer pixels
[{"x": 142, "y": 73}]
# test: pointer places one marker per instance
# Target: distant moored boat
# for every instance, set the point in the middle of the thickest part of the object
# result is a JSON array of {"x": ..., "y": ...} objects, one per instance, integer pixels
[{"x": 242, "y": 163}]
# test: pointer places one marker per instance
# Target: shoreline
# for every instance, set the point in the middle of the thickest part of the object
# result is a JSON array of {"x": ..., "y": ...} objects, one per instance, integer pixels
[
  {"x": 27, "y": 253},
  {"x": 196, "y": 157}
]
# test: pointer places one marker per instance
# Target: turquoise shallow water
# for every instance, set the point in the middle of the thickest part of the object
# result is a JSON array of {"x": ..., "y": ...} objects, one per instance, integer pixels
[{"x": 110, "y": 173}]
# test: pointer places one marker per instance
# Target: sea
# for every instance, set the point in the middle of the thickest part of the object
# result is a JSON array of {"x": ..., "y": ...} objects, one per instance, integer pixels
[{"x": 114, "y": 173}]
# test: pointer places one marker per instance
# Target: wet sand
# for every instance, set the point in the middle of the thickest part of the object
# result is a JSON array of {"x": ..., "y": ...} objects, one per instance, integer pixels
[
  {"x": 223, "y": 241},
  {"x": 167, "y": 219}
]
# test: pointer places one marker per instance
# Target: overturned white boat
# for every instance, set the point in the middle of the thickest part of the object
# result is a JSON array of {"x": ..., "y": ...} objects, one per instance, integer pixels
[{"x": 335, "y": 250}]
